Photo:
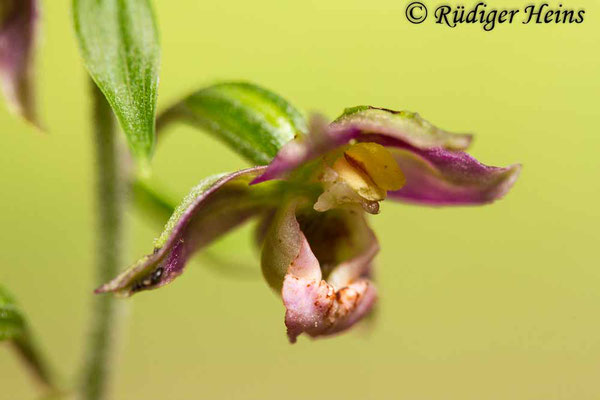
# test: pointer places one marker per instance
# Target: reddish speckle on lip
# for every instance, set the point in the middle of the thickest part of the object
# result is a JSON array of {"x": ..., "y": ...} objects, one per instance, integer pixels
[{"x": 317, "y": 309}]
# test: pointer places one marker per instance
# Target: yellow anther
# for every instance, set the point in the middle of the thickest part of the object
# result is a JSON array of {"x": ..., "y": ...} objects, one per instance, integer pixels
[
  {"x": 376, "y": 162},
  {"x": 358, "y": 180},
  {"x": 370, "y": 170}
]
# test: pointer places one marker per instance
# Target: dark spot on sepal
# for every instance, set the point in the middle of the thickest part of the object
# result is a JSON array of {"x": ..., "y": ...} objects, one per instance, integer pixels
[
  {"x": 152, "y": 279},
  {"x": 156, "y": 275}
]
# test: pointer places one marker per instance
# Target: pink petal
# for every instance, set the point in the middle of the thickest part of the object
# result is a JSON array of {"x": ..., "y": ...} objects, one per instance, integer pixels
[
  {"x": 441, "y": 177},
  {"x": 17, "y": 37}
]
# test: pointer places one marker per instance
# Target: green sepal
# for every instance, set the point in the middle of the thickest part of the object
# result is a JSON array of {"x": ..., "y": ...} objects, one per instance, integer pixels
[{"x": 406, "y": 125}]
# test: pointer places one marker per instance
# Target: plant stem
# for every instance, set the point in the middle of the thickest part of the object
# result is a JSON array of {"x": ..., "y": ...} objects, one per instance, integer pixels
[{"x": 109, "y": 209}]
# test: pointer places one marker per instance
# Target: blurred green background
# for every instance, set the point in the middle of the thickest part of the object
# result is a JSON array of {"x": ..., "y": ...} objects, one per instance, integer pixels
[{"x": 497, "y": 302}]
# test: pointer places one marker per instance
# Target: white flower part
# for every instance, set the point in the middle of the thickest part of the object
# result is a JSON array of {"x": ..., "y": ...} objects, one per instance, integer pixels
[{"x": 338, "y": 193}]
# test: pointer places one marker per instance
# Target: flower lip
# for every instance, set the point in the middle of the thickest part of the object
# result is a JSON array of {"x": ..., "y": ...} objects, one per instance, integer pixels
[
  {"x": 320, "y": 263},
  {"x": 315, "y": 308}
]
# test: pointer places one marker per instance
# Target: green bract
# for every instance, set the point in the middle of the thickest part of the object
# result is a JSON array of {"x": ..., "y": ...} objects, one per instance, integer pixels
[
  {"x": 252, "y": 120},
  {"x": 119, "y": 44}
]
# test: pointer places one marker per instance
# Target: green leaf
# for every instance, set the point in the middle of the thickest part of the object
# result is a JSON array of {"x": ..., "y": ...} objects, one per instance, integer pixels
[
  {"x": 119, "y": 44},
  {"x": 253, "y": 121},
  {"x": 12, "y": 324}
]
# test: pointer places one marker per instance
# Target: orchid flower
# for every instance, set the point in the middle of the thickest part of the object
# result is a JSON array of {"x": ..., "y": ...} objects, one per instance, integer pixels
[
  {"x": 18, "y": 25},
  {"x": 312, "y": 201}
]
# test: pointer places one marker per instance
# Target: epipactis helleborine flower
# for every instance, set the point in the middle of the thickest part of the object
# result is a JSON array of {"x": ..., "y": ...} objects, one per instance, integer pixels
[
  {"x": 312, "y": 201},
  {"x": 18, "y": 25}
]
